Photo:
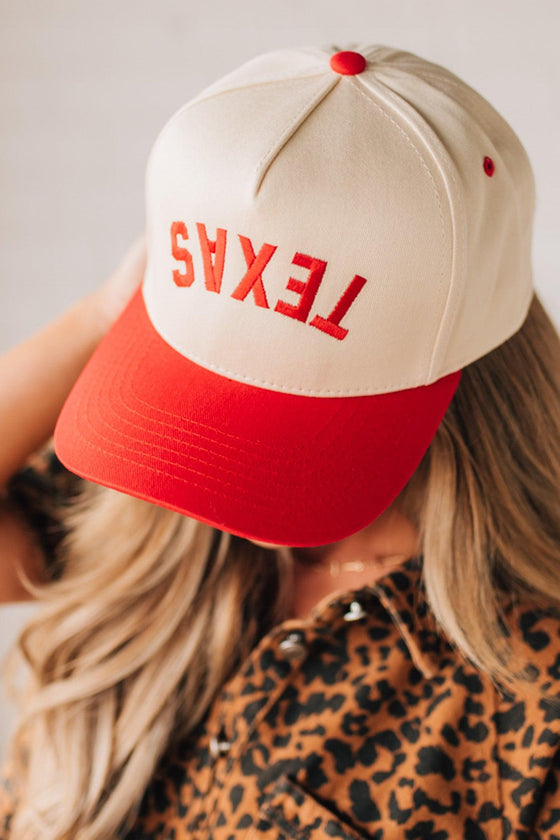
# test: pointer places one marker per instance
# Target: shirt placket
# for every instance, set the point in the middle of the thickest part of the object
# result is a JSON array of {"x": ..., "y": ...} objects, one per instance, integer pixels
[
  {"x": 265, "y": 675},
  {"x": 272, "y": 666}
]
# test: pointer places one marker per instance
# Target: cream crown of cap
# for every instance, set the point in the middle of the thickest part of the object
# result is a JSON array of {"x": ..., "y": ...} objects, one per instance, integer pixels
[{"x": 331, "y": 234}]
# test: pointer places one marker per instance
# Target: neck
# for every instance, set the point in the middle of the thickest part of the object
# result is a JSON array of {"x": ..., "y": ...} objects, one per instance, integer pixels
[
  {"x": 386, "y": 541},
  {"x": 356, "y": 561}
]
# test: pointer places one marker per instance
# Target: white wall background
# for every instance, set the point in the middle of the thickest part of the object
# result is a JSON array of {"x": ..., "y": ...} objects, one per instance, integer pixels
[{"x": 86, "y": 86}]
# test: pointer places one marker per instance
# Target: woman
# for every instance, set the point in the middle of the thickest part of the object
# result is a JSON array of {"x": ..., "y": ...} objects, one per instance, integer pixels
[{"x": 358, "y": 636}]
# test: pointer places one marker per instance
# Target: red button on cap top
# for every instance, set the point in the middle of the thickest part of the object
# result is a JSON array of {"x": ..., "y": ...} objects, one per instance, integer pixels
[{"x": 348, "y": 63}]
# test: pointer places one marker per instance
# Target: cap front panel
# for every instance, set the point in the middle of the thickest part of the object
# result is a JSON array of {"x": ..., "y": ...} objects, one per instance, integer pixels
[{"x": 267, "y": 272}]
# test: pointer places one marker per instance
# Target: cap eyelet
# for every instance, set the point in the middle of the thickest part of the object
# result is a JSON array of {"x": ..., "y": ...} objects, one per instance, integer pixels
[{"x": 488, "y": 166}]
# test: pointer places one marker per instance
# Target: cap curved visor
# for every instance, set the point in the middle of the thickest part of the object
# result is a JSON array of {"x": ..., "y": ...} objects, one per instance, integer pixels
[{"x": 282, "y": 468}]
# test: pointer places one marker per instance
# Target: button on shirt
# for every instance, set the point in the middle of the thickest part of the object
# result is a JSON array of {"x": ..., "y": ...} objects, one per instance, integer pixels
[{"x": 364, "y": 722}]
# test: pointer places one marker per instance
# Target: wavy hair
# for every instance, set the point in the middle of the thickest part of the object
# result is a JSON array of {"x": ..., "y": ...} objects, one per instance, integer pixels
[{"x": 152, "y": 611}]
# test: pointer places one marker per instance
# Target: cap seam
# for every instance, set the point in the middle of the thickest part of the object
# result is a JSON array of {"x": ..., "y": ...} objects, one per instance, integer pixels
[
  {"x": 273, "y": 151},
  {"x": 263, "y": 83},
  {"x": 125, "y": 437},
  {"x": 468, "y": 358},
  {"x": 304, "y": 458},
  {"x": 361, "y": 88},
  {"x": 199, "y": 98},
  {"x": 123, "y": 444}
]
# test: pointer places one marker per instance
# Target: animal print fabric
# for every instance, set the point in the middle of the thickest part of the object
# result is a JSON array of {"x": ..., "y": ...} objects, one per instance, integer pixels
[
  {"x": 360, "y": 722},
  {"x": 368, "y": 724}
]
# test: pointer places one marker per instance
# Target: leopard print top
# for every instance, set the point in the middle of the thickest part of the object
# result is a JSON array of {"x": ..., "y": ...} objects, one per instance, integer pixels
[{"x": 363, "y": 721}]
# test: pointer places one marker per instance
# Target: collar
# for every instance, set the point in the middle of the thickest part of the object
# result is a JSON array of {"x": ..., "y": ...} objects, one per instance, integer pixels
[
  {"x": 402, "y": 593},
  {"x": 260, "y": 677}
]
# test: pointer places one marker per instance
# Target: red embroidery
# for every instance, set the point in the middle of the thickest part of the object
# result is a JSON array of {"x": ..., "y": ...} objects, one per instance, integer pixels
[
  {"x": 252, "y": 280},
  {"x": 307, "y": 289},
  {"x": 330, "y": 325},
  {"x": 489, "y": 166},
  {"x": 182, "y": 255},
  {"x": 213, "y": 271}
]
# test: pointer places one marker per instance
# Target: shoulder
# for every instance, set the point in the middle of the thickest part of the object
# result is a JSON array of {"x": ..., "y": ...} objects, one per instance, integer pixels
[
  {"x": 527, "y": 721},
  {"x": 535, "y": 637}
]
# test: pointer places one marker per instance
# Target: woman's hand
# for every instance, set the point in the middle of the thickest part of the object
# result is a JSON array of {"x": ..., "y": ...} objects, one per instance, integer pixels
[
  {"x": 112, "y": 297},
  {"x": 36, "y": 376}
]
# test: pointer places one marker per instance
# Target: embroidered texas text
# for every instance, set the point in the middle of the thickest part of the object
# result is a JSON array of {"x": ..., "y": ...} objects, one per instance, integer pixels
[{"x": 252, "y": 280}]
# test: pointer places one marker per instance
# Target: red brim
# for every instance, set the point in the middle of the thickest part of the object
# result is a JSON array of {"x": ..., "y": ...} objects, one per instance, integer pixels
[{"x": 276, "y": 467}]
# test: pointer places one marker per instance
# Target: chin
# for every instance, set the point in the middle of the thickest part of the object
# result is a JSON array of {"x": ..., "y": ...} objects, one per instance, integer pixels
[{"x": 263, "y": 544}]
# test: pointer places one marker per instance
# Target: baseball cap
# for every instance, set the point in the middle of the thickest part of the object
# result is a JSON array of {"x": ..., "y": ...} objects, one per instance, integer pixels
[{"x": 333, "y": 233}]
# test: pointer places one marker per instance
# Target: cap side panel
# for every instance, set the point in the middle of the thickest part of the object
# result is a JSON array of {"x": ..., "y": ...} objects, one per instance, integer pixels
[
  {"x": 273, "y": 67},
  {"x": 493, "y": 284},
  {"x": 436, "y": 160}
]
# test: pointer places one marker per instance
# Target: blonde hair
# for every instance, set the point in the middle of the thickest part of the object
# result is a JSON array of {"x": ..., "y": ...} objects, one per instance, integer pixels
[{"x": 153, "y": 611}]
